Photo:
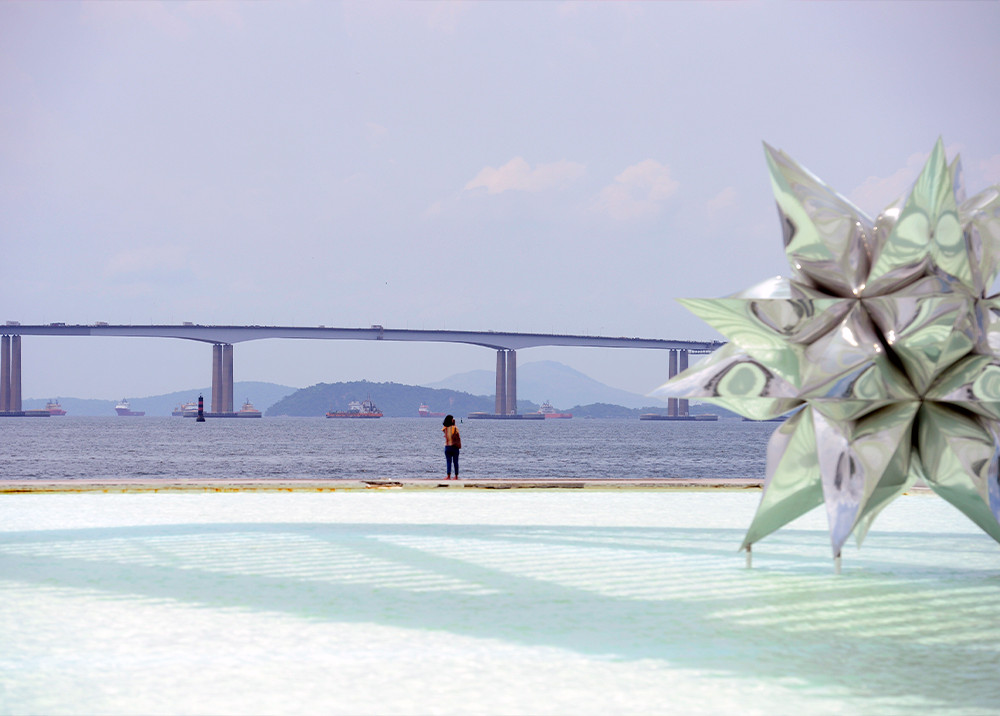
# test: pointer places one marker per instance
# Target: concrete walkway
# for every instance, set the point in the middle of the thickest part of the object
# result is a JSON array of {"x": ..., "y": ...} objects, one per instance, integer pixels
[{"x": 312, "y": 485}]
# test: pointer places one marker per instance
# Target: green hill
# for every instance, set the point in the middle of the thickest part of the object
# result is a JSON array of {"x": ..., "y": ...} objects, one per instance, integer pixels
[{"x": 395, "y": 400}]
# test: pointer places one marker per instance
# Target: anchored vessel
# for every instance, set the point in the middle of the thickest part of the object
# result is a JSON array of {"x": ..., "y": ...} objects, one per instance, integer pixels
[
  {"x": 185, "y": 409},
  {"x": 54, "y": 408},
  {"x": 424, "y": 411},
  {"x": 123, "y": 409},
  {"x": 248, "y": 411},
  {"x": 547, "y": 411},
  {"x": 364, "y": 409}
]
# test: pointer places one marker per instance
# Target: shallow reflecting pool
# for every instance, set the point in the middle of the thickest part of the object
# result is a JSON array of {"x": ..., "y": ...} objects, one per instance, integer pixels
[{"x": 521, "y": 601}]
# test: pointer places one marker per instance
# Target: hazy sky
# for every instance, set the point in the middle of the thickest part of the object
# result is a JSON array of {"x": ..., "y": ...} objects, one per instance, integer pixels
[{"x": 554, "y": 167}]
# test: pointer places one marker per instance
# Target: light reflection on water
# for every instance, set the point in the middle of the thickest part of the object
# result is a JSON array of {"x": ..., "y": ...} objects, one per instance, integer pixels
[
  {"x": 394, "y": 448},
  {"x": 497, "y": 602}
]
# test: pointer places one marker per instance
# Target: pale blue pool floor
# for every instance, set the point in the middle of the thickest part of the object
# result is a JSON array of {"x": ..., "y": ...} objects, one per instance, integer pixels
[{"x": 523, "y": 602}]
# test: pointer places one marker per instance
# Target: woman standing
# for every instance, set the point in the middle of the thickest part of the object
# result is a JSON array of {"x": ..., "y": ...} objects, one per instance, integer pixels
[{"x": 452, "y": 444}]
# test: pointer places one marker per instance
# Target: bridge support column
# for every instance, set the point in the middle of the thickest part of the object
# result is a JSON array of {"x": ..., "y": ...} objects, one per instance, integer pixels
[
  {"x": 671, "y": 372},
  {"x": 5, "y": 374},
  {"x": 222, "y": 378},
  {"x": 506, "y": 395},
  {"x": 217, "y": 378},
  {"x": 512, "y": 382},
  {"x": 682, "y": 365},
  {"x": 501, "y": 392},
  {"x": 15, "y": 373},
  {"x": 227, "y": 378}
]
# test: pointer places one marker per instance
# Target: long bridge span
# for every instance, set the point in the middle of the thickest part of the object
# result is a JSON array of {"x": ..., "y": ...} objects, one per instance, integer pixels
[{"x": 222, "y": 339}]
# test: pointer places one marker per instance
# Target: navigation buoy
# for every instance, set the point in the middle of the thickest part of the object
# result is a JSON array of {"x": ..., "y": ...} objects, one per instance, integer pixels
[{"x": 201, "y": 409}]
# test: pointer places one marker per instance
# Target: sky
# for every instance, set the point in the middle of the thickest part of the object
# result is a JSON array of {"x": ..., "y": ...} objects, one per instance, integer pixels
[{"x": 536, "y": 167}]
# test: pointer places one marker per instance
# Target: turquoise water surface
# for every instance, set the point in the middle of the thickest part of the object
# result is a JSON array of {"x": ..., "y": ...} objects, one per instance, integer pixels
[{"x": 462, "y": 601}]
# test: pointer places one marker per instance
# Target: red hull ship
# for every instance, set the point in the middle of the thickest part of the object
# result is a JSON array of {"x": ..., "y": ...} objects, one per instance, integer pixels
[
  {"x": 547, "y": 411},
  {"x": 424, "y": 411}
]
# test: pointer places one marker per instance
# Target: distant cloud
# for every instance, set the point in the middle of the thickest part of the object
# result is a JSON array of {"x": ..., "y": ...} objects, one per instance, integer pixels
[
  {"x": 990, "y": 171},
  {"x": 876, "y": 193},
  {"x": 723, "y": 200},
  {"x": 637, "y": 192},
  {"x": 517, "y": 175}
]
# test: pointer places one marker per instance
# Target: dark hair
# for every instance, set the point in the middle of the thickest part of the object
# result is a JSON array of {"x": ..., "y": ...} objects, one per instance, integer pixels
[{"x": 448, "y": 420}]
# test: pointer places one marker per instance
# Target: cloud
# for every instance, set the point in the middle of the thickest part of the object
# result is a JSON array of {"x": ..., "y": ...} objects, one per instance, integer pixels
[
  {"x": 989, "y": 169},
  {"x": 723, "y": 200},
  {"x": 876, "y": 193},
  {"x": 637, "y": 192},
  {"x": 517, "y": 175}
]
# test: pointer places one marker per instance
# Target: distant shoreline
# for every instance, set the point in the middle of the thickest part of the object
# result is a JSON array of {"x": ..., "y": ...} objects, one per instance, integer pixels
[{"x": 9, "y": 487}]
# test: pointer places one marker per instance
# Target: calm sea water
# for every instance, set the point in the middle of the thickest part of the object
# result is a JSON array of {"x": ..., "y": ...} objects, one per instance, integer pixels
[{"x": 389, "y": 448}]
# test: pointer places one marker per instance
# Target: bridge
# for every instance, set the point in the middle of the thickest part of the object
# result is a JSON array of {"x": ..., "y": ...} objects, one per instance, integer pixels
[{"x": 222, "y": 339}]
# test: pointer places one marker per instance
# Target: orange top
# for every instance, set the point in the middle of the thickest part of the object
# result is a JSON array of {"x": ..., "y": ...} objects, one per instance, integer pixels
[{"x": 449, "y": 433}]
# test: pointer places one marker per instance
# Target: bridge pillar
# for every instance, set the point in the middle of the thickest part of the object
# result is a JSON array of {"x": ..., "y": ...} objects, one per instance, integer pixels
[
  {"x": 216, "y": 378},
  {"x": 227, "y": 378},
  {"x": 682, "y": 365},
  {"x": 512, "y": 382},
  {"x": 671, "y": 372},
  {"x": 5, "y": 374},
  {"x": 15, "y": 373},
  {"x": 222, "y": 378},
  {"x": 506, "y": 395},
  {"x": 501, "y": 391}
]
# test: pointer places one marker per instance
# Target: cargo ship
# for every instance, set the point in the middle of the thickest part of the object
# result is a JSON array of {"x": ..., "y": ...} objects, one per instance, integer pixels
[
  {"x": 364, "y": 409},
  {"x": 184, "y": 409},
  {"x": 547, "y": 411},
  {"x": 424, "y": 411},
  {"x": 123, "y": 409},
  {"x": 54, "y": 408},
  {"x": 247, "y": 411}
]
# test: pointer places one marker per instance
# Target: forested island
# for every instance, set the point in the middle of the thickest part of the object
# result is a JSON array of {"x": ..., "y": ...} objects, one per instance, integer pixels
[{"x": 397, "y": 400}]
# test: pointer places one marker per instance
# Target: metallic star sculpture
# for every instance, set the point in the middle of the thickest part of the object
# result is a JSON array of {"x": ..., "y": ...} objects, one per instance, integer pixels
[{"x": 883, "y": 342}]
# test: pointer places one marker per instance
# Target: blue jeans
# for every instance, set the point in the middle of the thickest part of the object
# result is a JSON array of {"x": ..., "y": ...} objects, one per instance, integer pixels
[{"x": 451, "y": 456}]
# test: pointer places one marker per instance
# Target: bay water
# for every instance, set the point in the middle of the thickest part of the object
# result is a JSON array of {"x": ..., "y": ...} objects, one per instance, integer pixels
[
  {"x": 68, "y": 448},
  {"x": 468, "y": 601}
]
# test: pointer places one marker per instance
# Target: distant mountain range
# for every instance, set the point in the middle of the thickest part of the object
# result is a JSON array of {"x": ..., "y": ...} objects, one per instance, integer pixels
[
  {"x": 262, "y": 395},
  {"x": 537, "y": 382},
  {"x": 550, "y": 381}
]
